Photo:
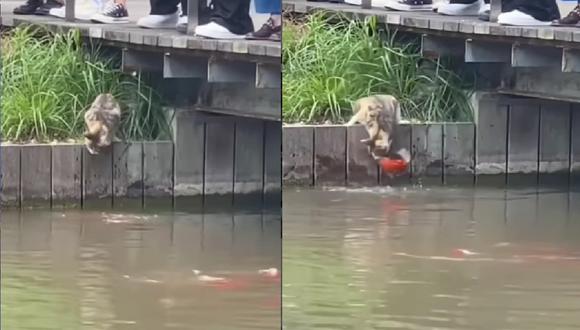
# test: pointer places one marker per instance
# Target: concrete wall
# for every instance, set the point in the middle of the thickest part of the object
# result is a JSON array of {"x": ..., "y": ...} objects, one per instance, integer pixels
[
  {"x": 233, "y": 160},
  {"x": 518, "y": 141}
]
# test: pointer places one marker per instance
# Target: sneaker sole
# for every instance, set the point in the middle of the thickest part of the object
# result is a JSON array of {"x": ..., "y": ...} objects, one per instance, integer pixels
[
  {"x": 262, "y": 39},
  {"x": 145, "y": 26},
  {"x": 527, "y": 23},
  {"x": 564, "y": 25},
  {"x": 104, "y": 21},
  {"x": 374, "y": 4},
  {"x": 403, "y": 7},
  {"x": 471, "y": 10},
  {"x": 45, "y": 12},
  {"x": 222, "y": 37}
]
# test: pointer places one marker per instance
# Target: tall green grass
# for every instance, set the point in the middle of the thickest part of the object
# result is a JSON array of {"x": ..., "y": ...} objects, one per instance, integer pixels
[
  {"x": 330, "y": 61},
  {"x": 49, "y": 81}
]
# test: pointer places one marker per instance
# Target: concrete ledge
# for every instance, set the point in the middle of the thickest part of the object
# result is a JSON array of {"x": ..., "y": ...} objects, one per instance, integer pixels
[
  {"x": 514, "y": 140},
  {"x": 445, "y": 26},
  {"x": 129, "y": 35},
  {"x": 220, "y": 156}
]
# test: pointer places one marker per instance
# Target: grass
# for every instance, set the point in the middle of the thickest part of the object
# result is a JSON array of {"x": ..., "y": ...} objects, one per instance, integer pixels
[
  {"x": 49, "y": 81},
  {"x": 330, "y": 61}
]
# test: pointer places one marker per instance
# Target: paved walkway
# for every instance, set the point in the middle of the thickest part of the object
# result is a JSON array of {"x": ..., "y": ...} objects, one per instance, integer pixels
[
  {"x": 132, "y": 34},
  {"x": 137, "y": 9},
  {"x": 446, "y": 25}
]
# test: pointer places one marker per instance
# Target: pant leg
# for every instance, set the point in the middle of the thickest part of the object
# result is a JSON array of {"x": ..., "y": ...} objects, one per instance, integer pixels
[
  {"x": 270, "y": 6},
  {"x": 184, "y": 6},
  {"x": 163, "y": 7},
  {"x": 543, "y": 10},
  {"x": 234, "y": 15}
]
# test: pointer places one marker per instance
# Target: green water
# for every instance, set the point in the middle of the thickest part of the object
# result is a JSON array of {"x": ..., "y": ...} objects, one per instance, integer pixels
[
  {"x": 108, "y": 270},
  {"x": 390, "y": 259}
]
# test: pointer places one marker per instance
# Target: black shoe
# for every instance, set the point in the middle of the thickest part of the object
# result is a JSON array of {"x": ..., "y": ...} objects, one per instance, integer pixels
[
  {"x": 411, "y": 5},
  {"x": 268, "y": 31},
  {"x": 45, "y": 8},
  {"x": 112, "y": 14},
  {"x": 28, "y": 8},
  {"x": 572, "y": 19}
]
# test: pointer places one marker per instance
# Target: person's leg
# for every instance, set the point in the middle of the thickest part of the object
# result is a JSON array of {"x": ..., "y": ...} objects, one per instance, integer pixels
[
  {"x": 163, "y": 15},
  {"x": 234, "y": 15},
  {"x": 230, "y": 19},
  {"x": 530, "y": 12},
  {"x": 84, "y": 9},
  {"x": 269, "y": 6},
  {"x": 182, "y": 22},
  {"x": 163, "y": 7}
]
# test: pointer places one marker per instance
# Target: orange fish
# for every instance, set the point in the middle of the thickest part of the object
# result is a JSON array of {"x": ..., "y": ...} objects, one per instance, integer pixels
[
  {"x": 230, "y": 285},
  {"x": 395, "y": 166}
]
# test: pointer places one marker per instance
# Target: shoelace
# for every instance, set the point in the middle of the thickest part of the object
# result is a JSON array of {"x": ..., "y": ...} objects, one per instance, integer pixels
[
  {"x": 270, "y": 23},
  {"x": 574, "y": 13},
  {"x": 112, "y": 8}
]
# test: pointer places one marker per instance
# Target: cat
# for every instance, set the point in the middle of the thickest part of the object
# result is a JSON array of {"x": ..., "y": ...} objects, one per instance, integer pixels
[
  {"x": 380, "y": 115},
  {"x": 102, "y": 120}
]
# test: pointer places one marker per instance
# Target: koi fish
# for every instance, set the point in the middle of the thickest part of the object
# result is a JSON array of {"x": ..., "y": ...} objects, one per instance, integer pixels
[
  {"x": 395, "y": 166},
  {"x": 270, "y": 272},
  {"x": 230, "y": 285},
  {"x": 461, "y": 253}
]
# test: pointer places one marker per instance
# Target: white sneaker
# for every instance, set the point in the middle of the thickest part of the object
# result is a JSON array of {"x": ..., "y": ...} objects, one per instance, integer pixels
[
  {"x": 159, "y": 21},
  {"x": 460, "y": 9},
  {"x": 213, "y": 30},
  {"x": 519, "y": 18},
  {"x": 84, "y": 10}
]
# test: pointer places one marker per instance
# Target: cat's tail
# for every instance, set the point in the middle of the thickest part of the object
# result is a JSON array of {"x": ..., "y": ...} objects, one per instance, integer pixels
[
  {"x": 405, "y": 155},
  {"x": 397, "y": 112}
]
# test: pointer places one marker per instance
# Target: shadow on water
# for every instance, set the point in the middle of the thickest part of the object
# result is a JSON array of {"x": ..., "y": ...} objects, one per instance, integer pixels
[
  {"x": 139, "y": 268},
  {"x": 444, "y": 257}
]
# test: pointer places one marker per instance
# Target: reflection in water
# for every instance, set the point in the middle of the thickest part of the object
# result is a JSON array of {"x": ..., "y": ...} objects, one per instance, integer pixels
[
  {"x": 93, "y": 270},
  {"x": 431, "y": 259}
]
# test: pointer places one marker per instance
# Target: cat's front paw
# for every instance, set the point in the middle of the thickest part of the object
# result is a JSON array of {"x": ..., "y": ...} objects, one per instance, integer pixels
[{"x": 368, "y": 142}]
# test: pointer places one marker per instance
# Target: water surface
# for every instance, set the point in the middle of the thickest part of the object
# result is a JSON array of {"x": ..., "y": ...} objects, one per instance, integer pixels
[
  {"x": 115, "y": 270},
  {"x": 441, "y": 258}
]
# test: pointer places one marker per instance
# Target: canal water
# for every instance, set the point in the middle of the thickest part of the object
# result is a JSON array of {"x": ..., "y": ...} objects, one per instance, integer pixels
[
  {"x": 440, "y": 258},
  {"x": 115, "y": 270}
]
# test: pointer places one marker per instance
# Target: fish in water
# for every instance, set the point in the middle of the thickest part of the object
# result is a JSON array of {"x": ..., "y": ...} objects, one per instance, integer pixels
[
  {"x": 461, "y": 253},
  {"x": 393, "y": 166},
  {"x": 270, "y": 272},
  {"x": 102, "y": 121}
]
